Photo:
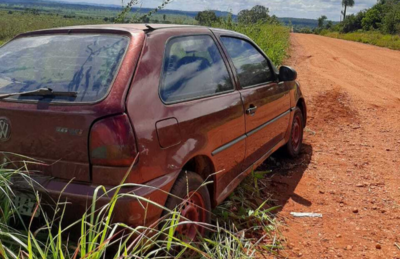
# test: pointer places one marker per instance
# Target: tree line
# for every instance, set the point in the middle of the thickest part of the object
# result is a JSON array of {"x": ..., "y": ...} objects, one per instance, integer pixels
[
  {"x": 384, "y": 17},
  {"x": 257, "y": 14}
]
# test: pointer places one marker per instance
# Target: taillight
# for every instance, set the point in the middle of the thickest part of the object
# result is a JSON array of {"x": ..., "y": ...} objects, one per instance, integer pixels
[{"x": 112, "y": 142}]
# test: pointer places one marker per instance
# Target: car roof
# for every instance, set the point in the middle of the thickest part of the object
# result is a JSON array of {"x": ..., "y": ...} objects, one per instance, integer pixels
[
  {"x": 130, "y": 28},
  {"x": 136, "y": 27}
]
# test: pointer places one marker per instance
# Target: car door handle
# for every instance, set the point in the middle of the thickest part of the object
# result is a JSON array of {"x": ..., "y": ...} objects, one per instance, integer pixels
[{"x": 252, "y": 110}]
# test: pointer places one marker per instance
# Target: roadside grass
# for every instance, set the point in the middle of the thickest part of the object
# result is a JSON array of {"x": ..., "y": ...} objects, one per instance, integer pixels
[
  {"x": 248, "y": 210},
  {"x": 238, "y": 234},
  {"x": 370, "y": 37}
]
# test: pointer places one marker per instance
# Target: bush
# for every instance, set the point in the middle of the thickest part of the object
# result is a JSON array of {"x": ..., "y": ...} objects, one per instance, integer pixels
[
  {"x": 257, "y": 14},
  {"x": 352, "y": 22},
  {"x": 306, "y": 30},
  {"x": 206, "y": 18},
  {"x": 372, "y": 19},
  {"x": 391, "y": 22}
]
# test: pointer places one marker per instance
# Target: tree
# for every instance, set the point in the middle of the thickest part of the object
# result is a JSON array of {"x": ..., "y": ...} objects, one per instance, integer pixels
[
  {"x": 346, "y": 3},
  {"x": 306, "y": 30},
  {"x": 260, "y": 12},
  {"x": 321, "y": 21},
  {"x": 353, "y": 22},
  {"x": 244, "y": 16},
  {"x": 329, "y": 25},
  {"x": 391, "y": 21},
  {"x": 371, "y": 20},
  {"x": 274, "y": 20},
  {"x": 256, "y": 14},
  {"x": 206, "y": 18}
]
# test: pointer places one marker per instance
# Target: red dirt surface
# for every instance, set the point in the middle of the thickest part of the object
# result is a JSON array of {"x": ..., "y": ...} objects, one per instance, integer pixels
[{"x": 349, "y": 169}]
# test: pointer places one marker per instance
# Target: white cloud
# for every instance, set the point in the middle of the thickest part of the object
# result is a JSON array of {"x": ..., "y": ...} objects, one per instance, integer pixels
[{"x": 281, "y": 8}]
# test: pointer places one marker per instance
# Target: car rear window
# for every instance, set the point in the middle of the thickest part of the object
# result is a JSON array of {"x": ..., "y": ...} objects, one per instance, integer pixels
[
  {"x": 193, "y": 68},
  {"x": 86, "y": 64}
]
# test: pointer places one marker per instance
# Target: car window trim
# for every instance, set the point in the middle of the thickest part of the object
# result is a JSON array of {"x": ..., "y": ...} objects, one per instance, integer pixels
[
  {"x": 267, "y": 84},
  {"x": 228, "y": 61},
  {"x": 122, "y": 34},
  {"x": 199, "y": 97},
  {"x": 233, "y": 65}
]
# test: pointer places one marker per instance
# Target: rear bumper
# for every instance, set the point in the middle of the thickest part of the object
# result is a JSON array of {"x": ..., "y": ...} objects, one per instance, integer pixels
[{"x": 132, "y": 208}]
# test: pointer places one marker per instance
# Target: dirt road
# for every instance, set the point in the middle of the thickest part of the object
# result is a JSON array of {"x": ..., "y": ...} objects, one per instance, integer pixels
[{"x": 349, "y": 169}]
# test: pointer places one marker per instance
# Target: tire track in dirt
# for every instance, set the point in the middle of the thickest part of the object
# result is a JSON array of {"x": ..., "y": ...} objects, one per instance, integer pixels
[{"x": 349, "y": 169}]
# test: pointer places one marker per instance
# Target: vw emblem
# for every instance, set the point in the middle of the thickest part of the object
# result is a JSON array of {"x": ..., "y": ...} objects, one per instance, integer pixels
[{"x": 5, "y": 129}]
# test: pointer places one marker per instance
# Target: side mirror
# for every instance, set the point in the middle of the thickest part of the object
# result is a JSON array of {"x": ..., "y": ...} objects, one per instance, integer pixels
[{"x": 287, "y": 74}]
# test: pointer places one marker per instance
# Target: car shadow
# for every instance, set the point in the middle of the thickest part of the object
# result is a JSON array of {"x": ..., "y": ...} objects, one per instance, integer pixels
[{"x": 286, "y": 174}]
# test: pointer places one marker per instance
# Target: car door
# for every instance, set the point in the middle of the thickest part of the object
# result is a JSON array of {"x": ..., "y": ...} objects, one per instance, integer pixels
[
  {"x": 266, "y": 101},
  {"x": 195, "y": 112}
]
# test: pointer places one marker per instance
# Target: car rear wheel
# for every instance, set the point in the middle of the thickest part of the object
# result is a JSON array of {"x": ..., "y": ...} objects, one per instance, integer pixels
[
  {"x": 192, "y": 200},
  {"x": 295, "y": 142}
]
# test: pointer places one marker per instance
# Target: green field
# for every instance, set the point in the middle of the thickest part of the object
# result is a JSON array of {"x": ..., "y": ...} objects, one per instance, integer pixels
[
  {"x": 19, "y": 22},
  {"x": 15, "y": 19},
  {"x": 369, "y": 37}
]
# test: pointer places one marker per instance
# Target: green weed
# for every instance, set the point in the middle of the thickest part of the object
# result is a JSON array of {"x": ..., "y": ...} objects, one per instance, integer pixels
[{"x": 241, "y": 234}]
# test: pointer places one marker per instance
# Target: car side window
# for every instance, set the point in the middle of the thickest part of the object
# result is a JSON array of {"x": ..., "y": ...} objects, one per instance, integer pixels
[
  {"x": 251, "y": 66},
  {"x": 193, "y": 68}
]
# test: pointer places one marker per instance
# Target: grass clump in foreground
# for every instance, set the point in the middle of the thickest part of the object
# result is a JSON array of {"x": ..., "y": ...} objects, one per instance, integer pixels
[
  {"x": 370, "y": 37},
  {"x": 241, "y": 234}
]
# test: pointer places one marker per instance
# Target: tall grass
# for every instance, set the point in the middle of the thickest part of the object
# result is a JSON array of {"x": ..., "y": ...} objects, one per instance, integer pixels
[
  {"x": 369, "y": 37},
  {"x": 100, "y": 237}
]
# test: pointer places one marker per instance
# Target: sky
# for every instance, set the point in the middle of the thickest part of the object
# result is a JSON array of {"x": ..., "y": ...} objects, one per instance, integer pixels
[{"x": 281, "y": 8}]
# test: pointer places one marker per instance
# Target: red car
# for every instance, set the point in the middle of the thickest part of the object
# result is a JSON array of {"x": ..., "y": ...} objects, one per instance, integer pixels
[{"x": 191, "y": 101}]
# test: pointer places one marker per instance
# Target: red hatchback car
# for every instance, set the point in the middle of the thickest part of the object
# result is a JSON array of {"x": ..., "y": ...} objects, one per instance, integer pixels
[{"x": 191, "y": 101}]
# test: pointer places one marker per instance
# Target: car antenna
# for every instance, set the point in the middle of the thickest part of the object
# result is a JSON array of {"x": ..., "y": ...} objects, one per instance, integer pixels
[{"x": 149, "y": 27}]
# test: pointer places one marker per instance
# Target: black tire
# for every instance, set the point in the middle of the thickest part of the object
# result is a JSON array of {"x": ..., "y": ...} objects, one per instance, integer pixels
[
  {"x": 293, "y": 147},
  {"x": 186, "y": 183}
]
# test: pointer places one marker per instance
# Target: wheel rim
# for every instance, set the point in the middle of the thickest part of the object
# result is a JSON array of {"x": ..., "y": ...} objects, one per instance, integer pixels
[
  {"x": 296, "y": 133},
  {"x": 192, "y": 210}
]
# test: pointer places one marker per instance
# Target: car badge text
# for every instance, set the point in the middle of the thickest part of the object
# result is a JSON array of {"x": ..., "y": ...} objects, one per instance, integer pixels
[{"x": 5, "y": 129}]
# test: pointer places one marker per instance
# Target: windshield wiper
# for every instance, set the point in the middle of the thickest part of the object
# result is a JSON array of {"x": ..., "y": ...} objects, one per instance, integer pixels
[{"x": 41, "y": 92}]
